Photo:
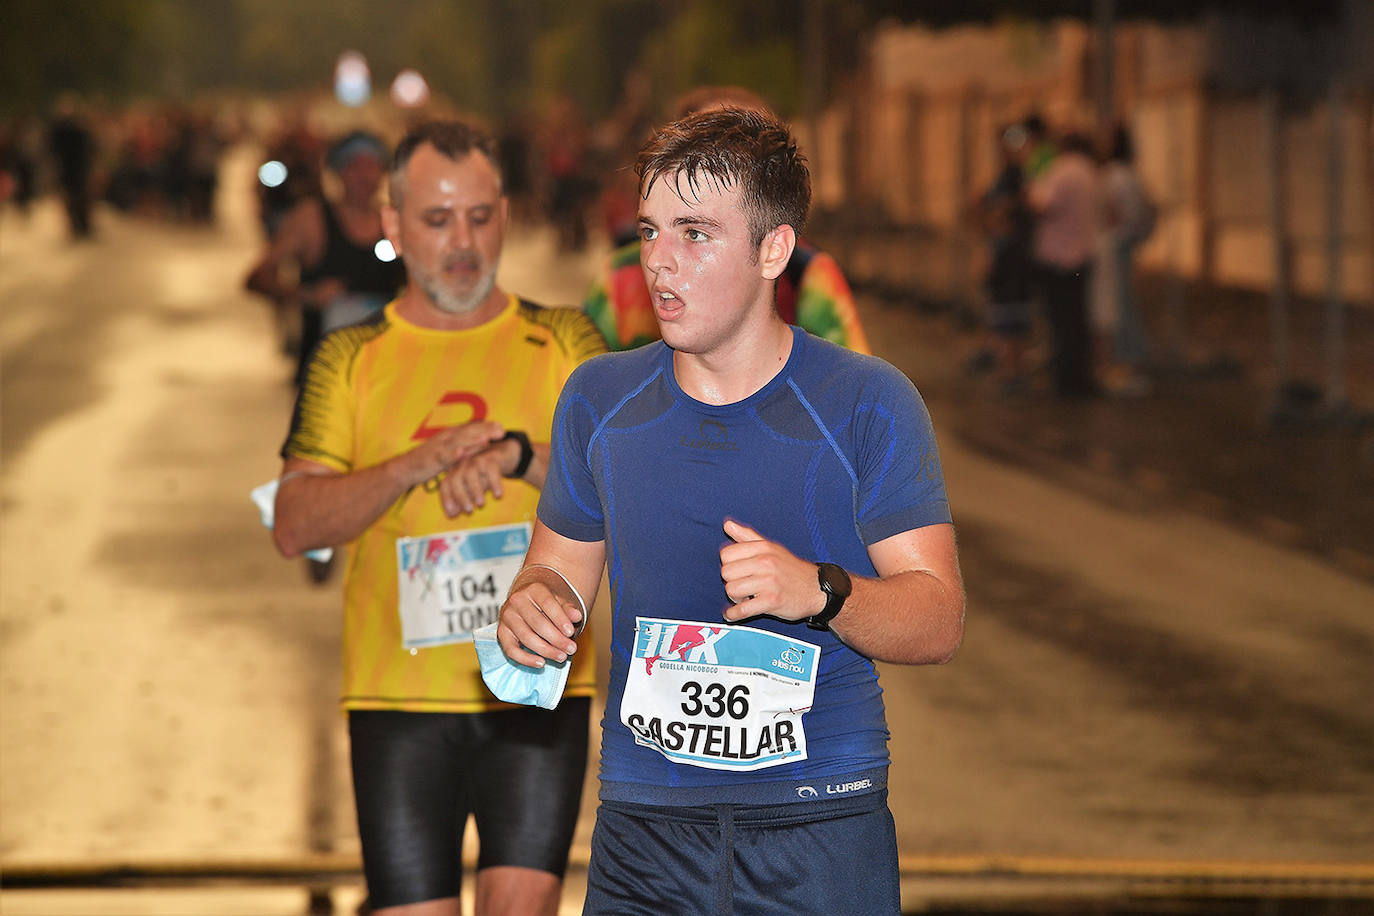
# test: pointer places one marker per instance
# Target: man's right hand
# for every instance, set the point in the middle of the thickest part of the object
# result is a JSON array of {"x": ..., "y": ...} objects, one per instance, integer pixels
[{"x": 538, "y": 624}]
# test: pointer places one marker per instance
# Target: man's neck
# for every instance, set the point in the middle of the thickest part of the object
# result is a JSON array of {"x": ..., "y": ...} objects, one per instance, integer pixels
[
  {"x": 736, "y": 370},
  {"x": 415, "y": 306}
]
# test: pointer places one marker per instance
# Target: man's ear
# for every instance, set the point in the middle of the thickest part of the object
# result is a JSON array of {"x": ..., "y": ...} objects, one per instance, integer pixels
[
  {"x": 391, "y": 227},
  {"x": 776, "y": 250}
]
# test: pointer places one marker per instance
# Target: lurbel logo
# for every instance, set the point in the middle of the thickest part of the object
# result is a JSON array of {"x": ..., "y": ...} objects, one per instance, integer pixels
[
  {"x": 712, "y": 437},
  {"x": 807, "y": 792},
  {"x": 846, "y": 787}
]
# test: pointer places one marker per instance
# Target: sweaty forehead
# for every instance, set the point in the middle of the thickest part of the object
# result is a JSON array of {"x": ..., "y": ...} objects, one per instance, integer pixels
[
  {"x": 692, "y": 189},
  {"x": 469, "y": 180}
]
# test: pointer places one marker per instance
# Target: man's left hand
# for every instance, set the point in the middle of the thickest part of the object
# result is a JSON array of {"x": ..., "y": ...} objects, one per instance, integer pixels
[{"x": 464, "y": 486}]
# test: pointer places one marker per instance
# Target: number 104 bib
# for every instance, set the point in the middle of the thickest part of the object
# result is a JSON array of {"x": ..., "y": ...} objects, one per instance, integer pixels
[
  {"x": 719, "y": 696},
  {"x": 452, "y": 583}
]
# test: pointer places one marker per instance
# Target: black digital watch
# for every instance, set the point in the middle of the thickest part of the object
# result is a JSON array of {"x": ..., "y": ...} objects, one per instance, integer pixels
[
  {"x": 526, "y": 453},
  {"x": 835, "y": 583}
]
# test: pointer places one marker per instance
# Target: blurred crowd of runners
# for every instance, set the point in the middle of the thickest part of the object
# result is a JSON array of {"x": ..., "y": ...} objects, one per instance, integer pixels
[{"x": 161, "y": 160}]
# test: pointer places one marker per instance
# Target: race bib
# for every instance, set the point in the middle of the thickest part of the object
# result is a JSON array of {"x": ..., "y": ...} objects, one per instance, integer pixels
[
  {"x": 719, "y": 696},
  {"x": 450, "y": 584}
]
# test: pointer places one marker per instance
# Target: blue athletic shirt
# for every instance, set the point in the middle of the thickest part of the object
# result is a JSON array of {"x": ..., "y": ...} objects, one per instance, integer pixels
[{"x": 835, "y": 453}]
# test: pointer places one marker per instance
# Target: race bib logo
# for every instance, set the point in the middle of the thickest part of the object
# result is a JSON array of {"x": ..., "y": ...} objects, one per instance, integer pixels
[{"x": 679, "y": 643}]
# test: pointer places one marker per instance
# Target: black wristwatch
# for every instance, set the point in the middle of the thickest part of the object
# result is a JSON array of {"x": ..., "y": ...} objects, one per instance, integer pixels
[
  {"x": 526, "y": 453},
  {"x": 836, "y": 585}
]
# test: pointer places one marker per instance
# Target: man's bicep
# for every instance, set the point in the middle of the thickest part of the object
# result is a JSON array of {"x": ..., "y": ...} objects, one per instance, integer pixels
[
  {"x": 930, "y": 549},
  {"x": 323, "y": 426},
  {"x": 296, "y": 466},
  {"x": 580, "y": 562}
]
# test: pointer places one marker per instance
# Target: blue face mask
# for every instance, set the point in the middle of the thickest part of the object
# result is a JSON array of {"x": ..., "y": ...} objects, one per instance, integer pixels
[{"x": 516, "y": 683}]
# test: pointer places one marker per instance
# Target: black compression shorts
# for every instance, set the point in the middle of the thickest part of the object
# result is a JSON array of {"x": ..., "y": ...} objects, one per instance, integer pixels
[{"x": 417, "y": 776}]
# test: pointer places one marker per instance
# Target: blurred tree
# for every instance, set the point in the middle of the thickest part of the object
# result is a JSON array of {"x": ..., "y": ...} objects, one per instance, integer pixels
[
  {"x": 490, "y": 56},
  {"x": 583, "y": 51},
  {"x": 451, "y": 44},
  {"x": 48, "y": 47},
  {"x": 294, "y": 45},
  {"x": 942, "y": 12},
  {"x": 184, "y": 47},
  {"x": 717, "y": 42}
]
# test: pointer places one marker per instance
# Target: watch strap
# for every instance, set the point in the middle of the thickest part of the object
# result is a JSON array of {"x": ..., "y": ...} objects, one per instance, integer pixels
[
  {"x": 834, "y": 601},
  {"x": 526, "y": 452}
]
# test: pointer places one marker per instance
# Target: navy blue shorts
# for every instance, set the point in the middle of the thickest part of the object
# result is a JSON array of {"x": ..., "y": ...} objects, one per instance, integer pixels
[
  {"x": 418, "y": 775},
  {"x": 745, "y": 860}
]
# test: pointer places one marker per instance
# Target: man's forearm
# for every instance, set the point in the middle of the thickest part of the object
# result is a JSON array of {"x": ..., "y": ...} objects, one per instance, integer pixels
[
  {"x": 319, "y": 507},
  {"x": 910, "y": 618},
  {"x": 325, "y": 510}
]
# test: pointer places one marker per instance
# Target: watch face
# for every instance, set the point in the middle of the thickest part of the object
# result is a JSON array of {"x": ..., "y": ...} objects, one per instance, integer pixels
[{"x": 834, "y": 579}]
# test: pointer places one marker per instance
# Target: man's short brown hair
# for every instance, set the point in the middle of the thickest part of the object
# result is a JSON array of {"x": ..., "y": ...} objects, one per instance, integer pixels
[{"x": 734, "y": 147}]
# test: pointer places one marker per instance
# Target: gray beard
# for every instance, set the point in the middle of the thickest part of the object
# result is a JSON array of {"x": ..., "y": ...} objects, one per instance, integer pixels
[{"x": 455, "y": 303}]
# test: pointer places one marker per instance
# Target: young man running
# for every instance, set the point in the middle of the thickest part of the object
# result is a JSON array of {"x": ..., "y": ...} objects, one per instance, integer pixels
[{"x": 772, "y": 513}]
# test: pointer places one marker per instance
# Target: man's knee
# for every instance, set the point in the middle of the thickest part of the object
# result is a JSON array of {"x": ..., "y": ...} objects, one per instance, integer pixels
[
  {"x": 443, "y": 906},
  {"x": 509, "y": 890}
]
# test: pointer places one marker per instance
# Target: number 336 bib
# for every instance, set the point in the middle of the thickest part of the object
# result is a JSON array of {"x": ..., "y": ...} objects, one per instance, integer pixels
[{"x": 719, "y": 696}]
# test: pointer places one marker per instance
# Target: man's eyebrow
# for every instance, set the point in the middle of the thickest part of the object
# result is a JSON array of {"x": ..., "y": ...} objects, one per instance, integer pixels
[
  {"x": 704, "y": 222},
  {"x": 448, "y": 208}
]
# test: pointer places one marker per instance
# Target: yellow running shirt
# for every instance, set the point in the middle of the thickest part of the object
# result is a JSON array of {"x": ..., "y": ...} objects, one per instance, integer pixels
[{"x": 376, "y": 390}]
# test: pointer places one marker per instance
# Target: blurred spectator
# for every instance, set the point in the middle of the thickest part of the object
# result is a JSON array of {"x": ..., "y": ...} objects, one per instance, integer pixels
[
  {"x": 617, "y": 140},
  {"x": 299, "y": 152},
  {"x": 1126, "y": 217},
  {"x": 1006, "y": 219},
  {"x": 73, "y": 151},
  {"x": 1064, "y": 202},
  {"x": 139, "y": 181},
  {"x": 571, "y": 189},
  {"x": 516, "y": 149},
  {"x": 325, "y": 260},
  {"x": 206, "y": 146},
  {"x": 811, "y": 292},
  {"x": 166, "y": 164},
  {"x": 1040, "y": 147},
  {"x": 17, "y": 165},
  {"x": 176, "y": 163}
]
